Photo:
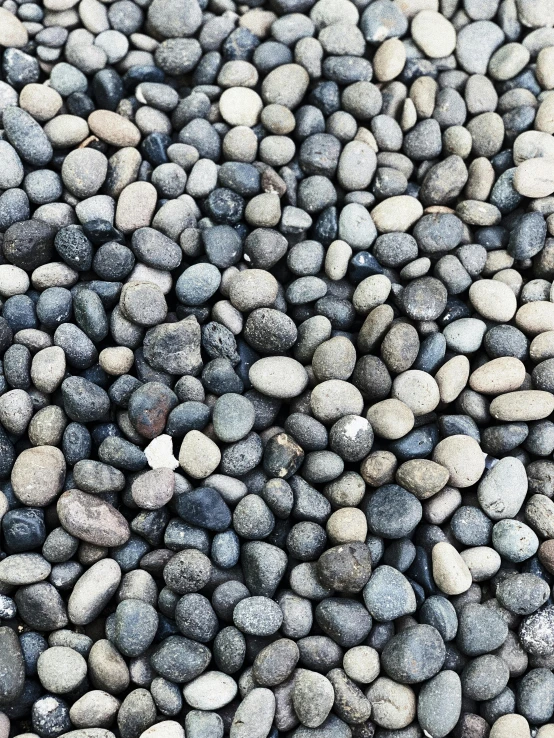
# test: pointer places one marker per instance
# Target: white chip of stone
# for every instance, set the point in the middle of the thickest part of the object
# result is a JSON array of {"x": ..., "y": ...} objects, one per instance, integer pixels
[{"x": 159, "y": 453}]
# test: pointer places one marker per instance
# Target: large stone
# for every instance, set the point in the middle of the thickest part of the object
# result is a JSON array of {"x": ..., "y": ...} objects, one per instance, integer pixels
[{"x": 174, "y": 347}]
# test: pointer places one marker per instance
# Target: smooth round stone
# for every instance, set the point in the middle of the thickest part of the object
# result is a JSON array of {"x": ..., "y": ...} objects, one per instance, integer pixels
[
  {"x": 462, "y": 457},
  {"x": 414, "y": 655},
  {"x": 240, "y": 106},
  {"x": 535, "y": 317},
  {"x": 254, "y": 715},
  {"x": 199, "y": 455},
  {"x": 504, "y": 374},
  {"x": 334, "y": 399},
  {"x": 285, "y": 85},
  {"x": 13, "y": 33},
  {"x": 38, "y": 475},
  {"x": 533, "y": 177},
  {"x": 388, "y": 595},
  {"x": 154, "y": 489},
  {"x": 13, "y": 281},
  {"x": 312, "y": 697},
  {"x": 93, "y": 590},
  {"x": 493, "y": 300},
  {"x": 164, "y": 729},
  {"x": 422, "y": 477},
  {"x": 24, "y": 568},
  {"x": 61, "y": 669},
  {"x": 91, "y": 519},
  {"x": 361, "y": 664},
  {"x": 393, "y": 705},
  {"x": 510, "y": 726},
  {"x": 514, "y": 541},
  {"x": 84, "y": 172},
  {"x": 434, "y": 34},
  {"x": 439, "y": 704},
  {"x": 278, "y": 376},
  {"x": 525, "y": 405},
  {"x": 233, "y": 417},
  {"x": 114, "y": 129},
  {"x": 450, "y": 572},
  {"x": 502, "y": 492},
  {"x": 397, "y": 214},
  {"x": 210, "y": 691},
  {"x": 391, "y": 418}
]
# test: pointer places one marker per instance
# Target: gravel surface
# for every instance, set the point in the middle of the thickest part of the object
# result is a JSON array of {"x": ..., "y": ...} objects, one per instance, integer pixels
[{"x": 276, "y": 368}]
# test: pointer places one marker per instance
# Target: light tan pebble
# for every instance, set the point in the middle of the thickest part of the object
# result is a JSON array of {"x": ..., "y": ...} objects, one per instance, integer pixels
[
  {"x": 48, "y": 369},
  {"x": 327, "y": 12},
  {"x": 135, "y": 206},
  {"x": 504, "y": 374},
  {"x": 278, "y": 376},
  {"x": 418, "y": 390},
  {"x": 13, "y": 281},
  {"x": 482, "y": 561},
  {"x": 390, "y": 419},
  {"x": 285, "y": 85},
  {"x": 452, "y": 378},
  {"x": 240, "y": 106},
  {"x": 253, "y": 288},
  {"x": 536, "y": 317},
  {"x": 114, "y": 129},
  {"x": 199, "y": 455},
  {"x": 434, "y": 34},
  {"x": 546, "y": 731},
  {"x": 362, "y": 664},
  {"x": 462, "y": 457},
  {"x": 508, "y": 61},
  {"x": 477, "y": 213},
  {"x": 496, "y": 261},
  {"x": 336, "y": 260},
  {"x": 545, "y": 67},
  {"x": 542, "y": 346},
  {"x": 481, "y": 176},
  {"x": 389, "y": 59},
  {"x": 437, "y": 509},
  {"x": 493, "y": 300},
  {"x": 278, "y": 119},
  {"x": 238, "y": 73},
  {"x": 159, "y": 453},
  {"x": 347, "y": 525},
  {"x": 64, "y": 131},
  {"x": 535, "y": 177},
  {"x": 264, "y": 210},
  {"x": 4, "y": 725},
  {"x": 516, "y": 726},
  {"x": 393, "y": 705},
  {"x": 116, "y": 360},
  {"x": 258, "y": 21},
  {"x": 333, "y": 399},
  {"x": 544, "y": 119},
  {"x": 422, "y": 477},
  {"x": 371, "y": 292},
  {"x": 457, "y": 141},
  {"x": 510, "y": 277},
  {"x": 378, "y": 468},
  {"x": 38, "y": 474},
  {"x": 13, "y": 33},
  {"x": 165, "y": 729},
  {"x": 397, "y": 213},
  {"x": 408, "y": 117},
  {"x": 40, "y": 101},
  {"x": 525, "y": 406},
  {"x": 450, "y": 572},
  {"x": 159, "y": 277},
  {"x": 532, "y": 145},
  {"x": 423, "y": 93},
  {"x": 501, "y": 492}
]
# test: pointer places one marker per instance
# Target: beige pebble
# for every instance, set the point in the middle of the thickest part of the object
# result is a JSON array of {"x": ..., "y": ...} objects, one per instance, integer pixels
[
  {"x": 397, "y": 213},
  {"x": 389, "y": 59},
  {"x": 114, "y": 129},
  {"x": 135, "y": 206},
  {"x": 336, "y": 260},
  {"x": 418, "y": 390},
  {"x": 525, "y": 406},
  {"x": 510, "y": 277},
  {"x": 362, "y": 664},
  {"x": 66, "y": 130},
  {"x": 40, "y": 101},
  {"x": 536, "y": 317},
  {"x": 504, "y": 374},
  {"x": 544, "y": 119},
  {"x": 532, "y": 145},
  {"x": 390, "y": 418},
  {"x": 393, "y": 705},
  {"x": 422, "y": 477},
  {"x": 493, "y": 300},
  {"x": 434, "y": 34},
  {"x": 546, "y": 731},
  {"x": 378, "y": 468},
  {"x": 13, "y": 33},
  {"x": 542, "y": 346},
  {"x": 535, "y": 177},
  {"x": 371, "y": 292},
  {"x": 199, "y": 455},
  {"x": 515, "y": 726},
  {"x": 116, "y": 360},
  {"x": 347, "y": 525},
  {"x": 240, "y": 106},
  {"x": 482, "y": 561},
  {"x": 450, "y": 571},
  {"x": 437, "y": 509},
  {"x": 452, "y": 377},
  {"x": 462, "y": 457}
]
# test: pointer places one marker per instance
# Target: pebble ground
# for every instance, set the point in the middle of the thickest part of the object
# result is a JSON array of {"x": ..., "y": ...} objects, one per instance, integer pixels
[{"x": 276, "y": 369}]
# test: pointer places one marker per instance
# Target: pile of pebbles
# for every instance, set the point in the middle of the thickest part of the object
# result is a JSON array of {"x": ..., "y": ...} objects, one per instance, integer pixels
[{"x": 277, "y": 368}]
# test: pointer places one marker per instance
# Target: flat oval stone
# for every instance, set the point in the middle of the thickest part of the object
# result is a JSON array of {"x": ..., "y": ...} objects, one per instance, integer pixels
[
  {"x": 501, "y": 493},
  {"x": 93, "y": 590},
  {"x": 91, "y": 519},
  {"x": 278, "y": 376},
  {"x": 450, "y": 572},
  {"x": 210, "y": 691},
  {"x": 24, "y": 568},
  {"x": 12, "y": 666},
  {"x": 504, "y": 374},
  {"x": 414, "y": 655},
  {"x": 525, "y": 405},
  {"x": 439, "y": 704}
]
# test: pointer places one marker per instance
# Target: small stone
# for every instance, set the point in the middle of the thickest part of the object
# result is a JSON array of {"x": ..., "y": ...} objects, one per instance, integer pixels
[{"x": 450, "y": 573}]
